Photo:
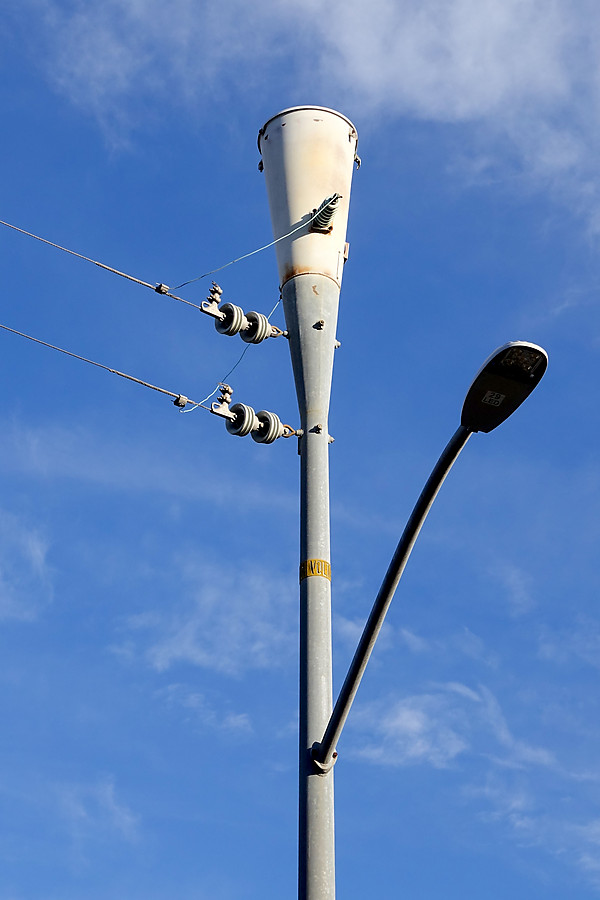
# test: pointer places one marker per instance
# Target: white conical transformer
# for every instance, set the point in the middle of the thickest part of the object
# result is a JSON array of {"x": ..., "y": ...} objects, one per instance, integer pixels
[{"x": 308, "y": 154}]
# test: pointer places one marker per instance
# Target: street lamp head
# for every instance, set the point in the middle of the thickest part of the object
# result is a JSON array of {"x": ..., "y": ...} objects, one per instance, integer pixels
[{"x": 504, "y": 381}]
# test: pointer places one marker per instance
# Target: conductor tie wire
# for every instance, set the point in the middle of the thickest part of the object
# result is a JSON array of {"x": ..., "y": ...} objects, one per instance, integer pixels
[{"x": 253, "y": 252}]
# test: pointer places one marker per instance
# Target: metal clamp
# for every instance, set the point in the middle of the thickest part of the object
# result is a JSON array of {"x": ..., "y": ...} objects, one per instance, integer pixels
[
  {"x": 210, "y": 306},
  {"x": 220, "y": 407},
  {"x": 322, "y": 768}
]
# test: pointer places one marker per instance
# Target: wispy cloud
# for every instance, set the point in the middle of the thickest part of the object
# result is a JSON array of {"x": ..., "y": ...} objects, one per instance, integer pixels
[
  {"x": 522, "y": 71},
  {"x": 516, "y": 752},
  {"x": 512, "y": 784},
  {"x": 459, "y": 643},
  {"x": 349, "y": 631},
  {"x": 507, "y": 800},
  {"x": 517, "y": 583},
  {"x": 414, "y": 643},
  {"x": 229, "y": 621},
  {"x": 560, "y": 830},
  {"x": 198, "y": 709},
  {"x": 25, "y": 576},
  {"x": 419, "y": 729},
  {"x": 581, "y": 641},
  {"x": 93, "y": 811},
  {"x": 75, "y": 453},
  {"x": 437, "y": 727}
]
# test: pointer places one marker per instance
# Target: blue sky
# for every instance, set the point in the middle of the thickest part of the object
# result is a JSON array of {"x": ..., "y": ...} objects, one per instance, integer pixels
[{"x": 148, "y": 560}]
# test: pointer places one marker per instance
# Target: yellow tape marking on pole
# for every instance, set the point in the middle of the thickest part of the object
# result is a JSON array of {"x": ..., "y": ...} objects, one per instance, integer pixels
[{"x": 315, "y": 567}]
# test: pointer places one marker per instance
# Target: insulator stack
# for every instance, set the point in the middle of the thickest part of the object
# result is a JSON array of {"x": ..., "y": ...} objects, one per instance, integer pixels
[
  {"x": 245, "y": 420},
  {"x": 233, "y": 321},
  {"x": 325, "y": 213},
  {"x": 258, "y": 329},
  {"x": 270, "y": 427}
]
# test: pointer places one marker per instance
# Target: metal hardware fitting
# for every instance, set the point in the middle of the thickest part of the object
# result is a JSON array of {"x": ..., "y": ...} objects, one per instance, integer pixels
[
  {"x": 323, "y": 768},
  {"x": 220, "y": 406},
  {"x": 210, "y": 306}
]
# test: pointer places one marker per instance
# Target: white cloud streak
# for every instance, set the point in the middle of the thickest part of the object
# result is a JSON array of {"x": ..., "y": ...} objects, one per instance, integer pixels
[
  {"x": 581, "y": 641},
  {"x": 418, "y": 729},
  {"x": 518, "y": 753},
  {"x": 198, "y": 709},
  {"x": 461, "y": 643},
  {"x": 229, "y": 622},
  {"x": 437, "y": 727},
  {"x": 518, "y": 588},
  {"x": 523, "y": 71},
  {"x": 77, "y": 453},
  {"x": 562, "y": 832},
  {"x": 25, "y": 577},
  {"x": 93, "y": 810}
]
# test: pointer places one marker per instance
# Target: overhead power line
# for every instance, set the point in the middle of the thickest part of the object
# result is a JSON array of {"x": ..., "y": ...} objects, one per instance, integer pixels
[
  {"x": 326, "y": 208},
  {"x": 78, "y": 255},
  {"x": 180, "y": 400},
  {"x": 158, "y": 288}
]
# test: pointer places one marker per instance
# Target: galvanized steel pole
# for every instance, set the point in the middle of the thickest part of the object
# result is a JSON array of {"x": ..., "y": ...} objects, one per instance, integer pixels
[
  {"x": 308, "y": 155},
  {"x": 308, "y": 300}
]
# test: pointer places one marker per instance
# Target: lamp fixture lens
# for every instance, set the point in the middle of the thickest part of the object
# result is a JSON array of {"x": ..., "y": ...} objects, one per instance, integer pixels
[{"x": 504, "y": 381}]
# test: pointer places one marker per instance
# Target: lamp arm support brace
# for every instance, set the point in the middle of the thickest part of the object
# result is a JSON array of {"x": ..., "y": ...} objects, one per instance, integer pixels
[{"x": 323, "y": 752}]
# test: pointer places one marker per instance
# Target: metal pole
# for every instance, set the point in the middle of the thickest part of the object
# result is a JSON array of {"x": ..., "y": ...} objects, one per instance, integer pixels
[
  {"x": 323, "y": 753},
  {"x": 308, "y": 156},
  {"x": 311, "y": 305}
]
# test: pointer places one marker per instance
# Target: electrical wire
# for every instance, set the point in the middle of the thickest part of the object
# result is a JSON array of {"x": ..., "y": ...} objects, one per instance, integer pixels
[
  {"x": 161, "y": 288},
  {"x": 157, "y": 288},
  {"x": 252, "y": 252},
  {"x": 91, "y": 362},
  {"x": 79, "y": 255}
]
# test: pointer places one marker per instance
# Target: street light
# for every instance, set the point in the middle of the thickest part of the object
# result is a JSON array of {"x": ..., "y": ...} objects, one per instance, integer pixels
[
  {"x": 308, "y": 154},
  {"x": 504, "y": 381}
]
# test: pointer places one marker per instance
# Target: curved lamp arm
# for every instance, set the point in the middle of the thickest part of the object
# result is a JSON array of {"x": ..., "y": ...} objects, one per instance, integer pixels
[
  {"x": 323, "y": 753},
  {"x": 505, "y": 380}
]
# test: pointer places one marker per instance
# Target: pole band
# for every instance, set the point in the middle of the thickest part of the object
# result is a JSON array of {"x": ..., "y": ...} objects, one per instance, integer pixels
[{"x": 315, "y": 567}]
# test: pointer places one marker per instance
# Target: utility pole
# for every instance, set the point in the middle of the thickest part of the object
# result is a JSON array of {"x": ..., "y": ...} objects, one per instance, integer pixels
[{"x": 308, "y": 155}]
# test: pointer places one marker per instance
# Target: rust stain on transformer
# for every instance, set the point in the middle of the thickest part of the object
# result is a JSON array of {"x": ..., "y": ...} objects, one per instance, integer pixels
[
  {"x": 314, "y": 290},
  {"x": 291, "y": 271}
]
